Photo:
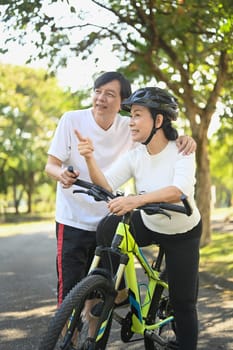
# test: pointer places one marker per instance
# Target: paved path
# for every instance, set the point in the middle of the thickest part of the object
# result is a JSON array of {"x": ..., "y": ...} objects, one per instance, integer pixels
[{"x": 27, "y": 296}]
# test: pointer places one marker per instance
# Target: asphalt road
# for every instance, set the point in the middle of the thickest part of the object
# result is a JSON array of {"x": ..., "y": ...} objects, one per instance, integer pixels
[{"x": 27, "y": 295}]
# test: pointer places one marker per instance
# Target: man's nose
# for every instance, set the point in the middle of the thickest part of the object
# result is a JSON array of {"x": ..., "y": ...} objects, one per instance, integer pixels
[{"x": 101, "y": 95}]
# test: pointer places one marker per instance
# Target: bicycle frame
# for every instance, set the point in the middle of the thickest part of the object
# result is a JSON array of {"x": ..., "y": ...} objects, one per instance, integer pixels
[
  {"x": 129, "y": 250},
  {"x": 92, "y": 299},
  {"x": 143, "y": 320}
]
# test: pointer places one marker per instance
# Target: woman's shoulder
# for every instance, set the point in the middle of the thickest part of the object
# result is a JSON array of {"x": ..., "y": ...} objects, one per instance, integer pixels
[
  {"x": 173, "y": 148},
  {"x": 137, "y": 151}
]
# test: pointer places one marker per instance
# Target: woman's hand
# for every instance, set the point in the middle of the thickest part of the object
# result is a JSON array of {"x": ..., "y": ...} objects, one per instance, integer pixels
[
  {"x": 85, "y": 146},
  {"x": 186, "y": 144},
  {"x": 121, "y": 205},
  {"x": 86, "y": 150}
]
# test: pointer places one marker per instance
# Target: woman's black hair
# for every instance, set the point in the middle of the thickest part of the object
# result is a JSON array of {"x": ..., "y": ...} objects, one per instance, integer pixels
[
  {"x": 110, "y": 76},
  {"x": 169, "y": 131}
]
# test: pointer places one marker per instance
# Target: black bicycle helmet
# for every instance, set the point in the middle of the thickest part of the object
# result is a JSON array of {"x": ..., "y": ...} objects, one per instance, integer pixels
[{"x": 153, "y": 97}]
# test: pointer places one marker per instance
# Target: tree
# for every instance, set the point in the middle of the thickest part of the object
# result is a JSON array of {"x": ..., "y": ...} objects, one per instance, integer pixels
[
  {"x": 187, "y": 45},
  {"x": 221, "y": 144},
  {"x": 30, "y": 106}
]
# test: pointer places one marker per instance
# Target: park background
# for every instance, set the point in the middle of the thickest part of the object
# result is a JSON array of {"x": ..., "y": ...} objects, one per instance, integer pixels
[{"x": 51, "y": 51}]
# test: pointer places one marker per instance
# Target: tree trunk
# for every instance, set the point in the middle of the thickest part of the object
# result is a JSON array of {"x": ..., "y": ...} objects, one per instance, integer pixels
[
  {"x": 16, "y": 201},
  {"x": 29, "y": 194},
  {"x": 203, "y": 188},
  {"x": 29, "y": 189}
]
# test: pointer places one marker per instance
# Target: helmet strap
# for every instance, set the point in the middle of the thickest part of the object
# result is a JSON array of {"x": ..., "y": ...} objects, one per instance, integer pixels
[{"x": 152, "y": 133}]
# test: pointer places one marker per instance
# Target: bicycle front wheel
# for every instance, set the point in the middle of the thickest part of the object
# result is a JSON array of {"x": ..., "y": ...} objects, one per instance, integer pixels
[{"x": 84, "y": 319}]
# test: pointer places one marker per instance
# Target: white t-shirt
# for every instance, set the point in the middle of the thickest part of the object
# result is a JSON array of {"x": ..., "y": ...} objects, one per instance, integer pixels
[
  {"x": 153, "y": 172},
  {"x": 80, "y": 210}
]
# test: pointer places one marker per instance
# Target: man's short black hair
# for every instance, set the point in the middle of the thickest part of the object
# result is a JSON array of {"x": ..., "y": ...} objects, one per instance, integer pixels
[{"x": 110, "y": 76}]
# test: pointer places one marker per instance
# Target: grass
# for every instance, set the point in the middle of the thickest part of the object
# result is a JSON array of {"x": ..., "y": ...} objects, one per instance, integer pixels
[
  {"x": 25, "y": 218},
  {"x": 224, "y": 214},
  {"x": 24, "y": 223},
  {"x": 217, "y": 257}
]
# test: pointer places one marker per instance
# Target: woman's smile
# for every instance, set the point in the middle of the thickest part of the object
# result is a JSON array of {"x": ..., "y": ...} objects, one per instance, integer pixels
[{"x": 134, "y": 131}]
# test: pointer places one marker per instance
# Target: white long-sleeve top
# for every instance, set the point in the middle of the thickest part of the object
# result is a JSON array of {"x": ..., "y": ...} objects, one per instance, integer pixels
[{"x": 152, "y": 172}]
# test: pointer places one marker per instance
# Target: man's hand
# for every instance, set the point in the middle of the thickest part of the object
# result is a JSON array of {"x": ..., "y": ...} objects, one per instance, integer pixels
[
  {"x": 186, "y": 144},
  {"x": 67, "y": 178}
]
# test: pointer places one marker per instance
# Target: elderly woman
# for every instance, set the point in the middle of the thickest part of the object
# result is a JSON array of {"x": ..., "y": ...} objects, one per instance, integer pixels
[{"x": 161, "y": 174}]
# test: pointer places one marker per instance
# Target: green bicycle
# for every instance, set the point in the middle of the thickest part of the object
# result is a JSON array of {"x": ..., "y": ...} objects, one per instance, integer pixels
[{"x": 76, "y": 326}]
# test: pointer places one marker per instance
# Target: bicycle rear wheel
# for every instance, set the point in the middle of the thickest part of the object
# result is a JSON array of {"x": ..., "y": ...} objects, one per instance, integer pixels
[{"x": 75, "y": 325}]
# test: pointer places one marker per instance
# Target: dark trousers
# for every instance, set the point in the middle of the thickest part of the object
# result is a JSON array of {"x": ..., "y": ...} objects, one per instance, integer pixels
[
  {"x": 182, "y": 261},
  {"x": 75, "y": 251}
]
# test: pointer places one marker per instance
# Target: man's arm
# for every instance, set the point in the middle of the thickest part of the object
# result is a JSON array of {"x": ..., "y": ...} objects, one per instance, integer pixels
[
  {"x": 186, "y": 144},
  {"x": 55, "y": 170}
]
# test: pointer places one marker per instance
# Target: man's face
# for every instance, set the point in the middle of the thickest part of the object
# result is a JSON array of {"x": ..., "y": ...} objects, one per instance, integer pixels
[{"x": 107, "y": 99}]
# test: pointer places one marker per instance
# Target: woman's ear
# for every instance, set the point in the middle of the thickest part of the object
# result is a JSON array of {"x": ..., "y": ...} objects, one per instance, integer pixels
[{"x": 159, "y": 120}]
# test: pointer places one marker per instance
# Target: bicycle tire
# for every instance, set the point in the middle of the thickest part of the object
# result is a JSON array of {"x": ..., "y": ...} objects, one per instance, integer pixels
[{"x": 94, "y": 285}]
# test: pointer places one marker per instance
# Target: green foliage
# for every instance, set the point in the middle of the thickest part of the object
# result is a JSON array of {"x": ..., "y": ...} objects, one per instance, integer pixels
[
  {"x": 184, "y": 44},
  {"x": 221, "y": 155},
  {"x": 30, "y": 105}
]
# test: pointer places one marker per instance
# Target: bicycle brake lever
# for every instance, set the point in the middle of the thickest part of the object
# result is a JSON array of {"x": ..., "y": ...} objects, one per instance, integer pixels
[
  {"x": 161, "y": 211},
  {"x": 94, "y": 193},
  {"x": 157, "y": 211},
  {"x": 80, "y": 191}
]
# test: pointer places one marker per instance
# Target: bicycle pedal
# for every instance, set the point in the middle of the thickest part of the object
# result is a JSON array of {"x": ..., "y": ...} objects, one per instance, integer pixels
[{"x": 154, "y": 336}]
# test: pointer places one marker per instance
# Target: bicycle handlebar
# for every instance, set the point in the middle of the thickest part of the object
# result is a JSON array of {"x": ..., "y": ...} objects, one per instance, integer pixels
[
  {"x": 101, "y": 194},
  {"x": 98, "y": 192}
]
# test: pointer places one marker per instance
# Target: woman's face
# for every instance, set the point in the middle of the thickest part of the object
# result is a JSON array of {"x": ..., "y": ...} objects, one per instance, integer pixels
[{"x": 141, "y": 123}]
